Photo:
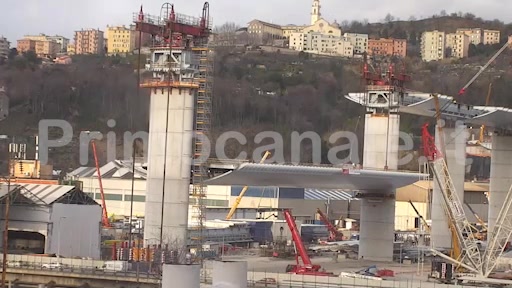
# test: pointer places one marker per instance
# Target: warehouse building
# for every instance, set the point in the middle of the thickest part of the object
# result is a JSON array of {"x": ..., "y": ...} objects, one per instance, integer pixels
[{"x": 51, "y": 219}]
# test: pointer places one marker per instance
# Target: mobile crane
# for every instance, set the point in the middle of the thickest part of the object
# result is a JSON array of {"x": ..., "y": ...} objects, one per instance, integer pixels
[
  {"x": 306, "y": 267},
  {"x": 480, "y": 265},
  {"x": 334, "y": 234},
  {"x": 104, "y": 219}
]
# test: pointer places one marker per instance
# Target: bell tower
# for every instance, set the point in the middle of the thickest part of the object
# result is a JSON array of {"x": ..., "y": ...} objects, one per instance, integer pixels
[{"x": 315, "y": 11}]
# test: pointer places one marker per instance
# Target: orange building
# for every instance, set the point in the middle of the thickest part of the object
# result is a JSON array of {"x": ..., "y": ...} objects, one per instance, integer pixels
[
  {"x": 47, "y": 48},
  {"x": 25, "y": 45},
  {"x": 384, "y": 46}
]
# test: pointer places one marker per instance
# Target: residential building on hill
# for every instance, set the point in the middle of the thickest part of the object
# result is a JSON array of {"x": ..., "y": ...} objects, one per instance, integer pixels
[
  {"x": 433, "y": 45},
  {"x": 89, "y": 41},
  {"x": 264, "y": 32},
  {"x": 289, "y": 29},
  {"x": 61, "y": 40},
  {"x": 71, "y": 49},
  {"x": 120, "y": 40},
  {"x": 47, "y": 49},
  {"x": 5, "y": 46},
  {"x": 457, "y": 44},
  {"x": 388, "y": 47},
  {"x": 491, "y": 37},
  {"x": 358, "y": 41},
  {"x": 318, "y": 43},
  {"x": 475, "y": 34},
  {"x": 24, "y": 45}
]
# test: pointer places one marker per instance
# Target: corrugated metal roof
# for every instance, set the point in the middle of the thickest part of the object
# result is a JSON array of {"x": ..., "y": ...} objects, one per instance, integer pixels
[
  {"x": 83, "y": 172},
  {"x": 115, "y": 169},
  {"x": 325, "y": 194},
  {"x": 47, "y": 193}
]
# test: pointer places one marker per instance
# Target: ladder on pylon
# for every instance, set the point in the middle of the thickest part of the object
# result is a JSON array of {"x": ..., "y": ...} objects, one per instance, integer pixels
[{"x": 470, "y": 251}]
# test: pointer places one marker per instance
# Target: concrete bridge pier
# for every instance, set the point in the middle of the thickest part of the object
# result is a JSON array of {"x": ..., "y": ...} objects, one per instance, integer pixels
[
  {"x": 376, "y": 235},
  {"x": 501, "y": 175},
  {"x": 381, "y": 141},
  {"x": 455, "y": 145}
]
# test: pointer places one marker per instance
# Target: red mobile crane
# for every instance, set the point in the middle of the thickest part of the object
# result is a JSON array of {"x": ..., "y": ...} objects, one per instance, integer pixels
[
  {"x": 104, "y": 218},
  {"x": 334, "y": 234},
  {"x": 306, "y": 268}
]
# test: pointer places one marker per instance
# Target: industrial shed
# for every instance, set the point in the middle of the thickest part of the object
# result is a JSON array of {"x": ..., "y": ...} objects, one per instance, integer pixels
[{"x": 43, "y": 217}]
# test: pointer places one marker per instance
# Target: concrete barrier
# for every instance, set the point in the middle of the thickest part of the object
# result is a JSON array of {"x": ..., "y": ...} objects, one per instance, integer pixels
[
  {"x": 183, "y": 276},
  {"x": 229, "y": 274}
]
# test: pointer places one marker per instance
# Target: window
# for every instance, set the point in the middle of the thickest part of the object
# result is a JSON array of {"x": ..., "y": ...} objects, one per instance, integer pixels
[
  {"x": 136, "y": 198},
  {"x": 110, "y": 197}
]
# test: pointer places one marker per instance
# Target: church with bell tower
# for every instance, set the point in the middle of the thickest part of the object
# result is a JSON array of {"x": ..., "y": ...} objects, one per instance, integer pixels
[{"x": 315, "y": 12}]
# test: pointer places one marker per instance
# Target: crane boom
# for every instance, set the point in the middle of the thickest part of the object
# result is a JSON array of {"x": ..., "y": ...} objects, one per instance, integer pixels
[
  {"x": 480, "y": 221},
  {"x": 427, "y": 227},
  {"x": 487, "y": 102},
  {"x": 482, "y": 69},
  {"x": 104, "y": 219},
  {"x": 334, "y": 235},
  {"x": 302, "y": 252},
  {"x": 462, "y": 234},
  {"x": 500, "y": 235},
  {"x": 242, "y": 193},
  {"x": 468, "y": 245}
]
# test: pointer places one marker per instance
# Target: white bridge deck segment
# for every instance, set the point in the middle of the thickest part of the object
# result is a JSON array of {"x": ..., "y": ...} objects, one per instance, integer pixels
[
  {"x": 290, "y": 176},
  {"x": 422, "y": 104},
  {"x": 376, "y": 236}
]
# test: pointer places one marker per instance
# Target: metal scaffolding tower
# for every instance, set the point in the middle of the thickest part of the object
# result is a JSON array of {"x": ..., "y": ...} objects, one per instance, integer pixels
[{"x": 202, "y": 126}]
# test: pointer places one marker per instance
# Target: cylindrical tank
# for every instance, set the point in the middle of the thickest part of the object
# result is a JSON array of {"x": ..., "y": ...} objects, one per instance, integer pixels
[
  {"x": 229, "y": 274},
  {"x": 183, "y": 276}
]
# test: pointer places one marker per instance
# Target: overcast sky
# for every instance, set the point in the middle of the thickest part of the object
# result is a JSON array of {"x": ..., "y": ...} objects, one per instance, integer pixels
[{"x": 65, "y": 16}]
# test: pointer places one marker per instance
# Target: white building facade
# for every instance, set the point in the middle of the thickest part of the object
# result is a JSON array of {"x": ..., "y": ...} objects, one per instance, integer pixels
[
  {"x": 358, "y": 41},
  {"x": 5, "y": 46},
  {"x": 433, "y": 44}
]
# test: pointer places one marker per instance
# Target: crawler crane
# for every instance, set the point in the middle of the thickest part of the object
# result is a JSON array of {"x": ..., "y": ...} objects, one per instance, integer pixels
[{"x": 480, "y": 264}]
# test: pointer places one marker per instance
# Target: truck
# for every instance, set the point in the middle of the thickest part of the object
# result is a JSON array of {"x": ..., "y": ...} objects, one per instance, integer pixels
[{"x": 117, "y": 266}]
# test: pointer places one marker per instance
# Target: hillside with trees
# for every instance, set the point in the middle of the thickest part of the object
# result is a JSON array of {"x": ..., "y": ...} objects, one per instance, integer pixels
[{"x": 254, "y": 91}]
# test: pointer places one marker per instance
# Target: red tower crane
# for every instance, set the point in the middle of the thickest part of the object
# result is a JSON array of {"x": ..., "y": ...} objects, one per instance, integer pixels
[
  {"x": 306, "y": 268},
  {"x": 334, "y": 234}
]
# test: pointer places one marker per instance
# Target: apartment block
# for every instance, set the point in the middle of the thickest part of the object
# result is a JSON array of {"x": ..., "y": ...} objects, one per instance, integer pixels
[
  {"x": 40, "y": 37},
  {"x": 358, "y": 41},
  {"x": 457, "y": 44},
  {"x": 475, "y": 34},
  {"x": 62, "y": 41},
  {"x": 71, "y": 49},
  {"x": 344, "y": 48},
  {"x": 491, "y": 37},
  {"x": 89, "y": 41},
  {"x": 318, "y": 43},
  {"x": 24, "y": 45},
  {"x": 433, "y": 45},
  {"x": 389, "y": 47},
  {"x": 5, "y": 46},
  {"x": 264, "y": 31},
  {"x": 47, "y": 49},
  {"x": 120, "y": 40}
]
